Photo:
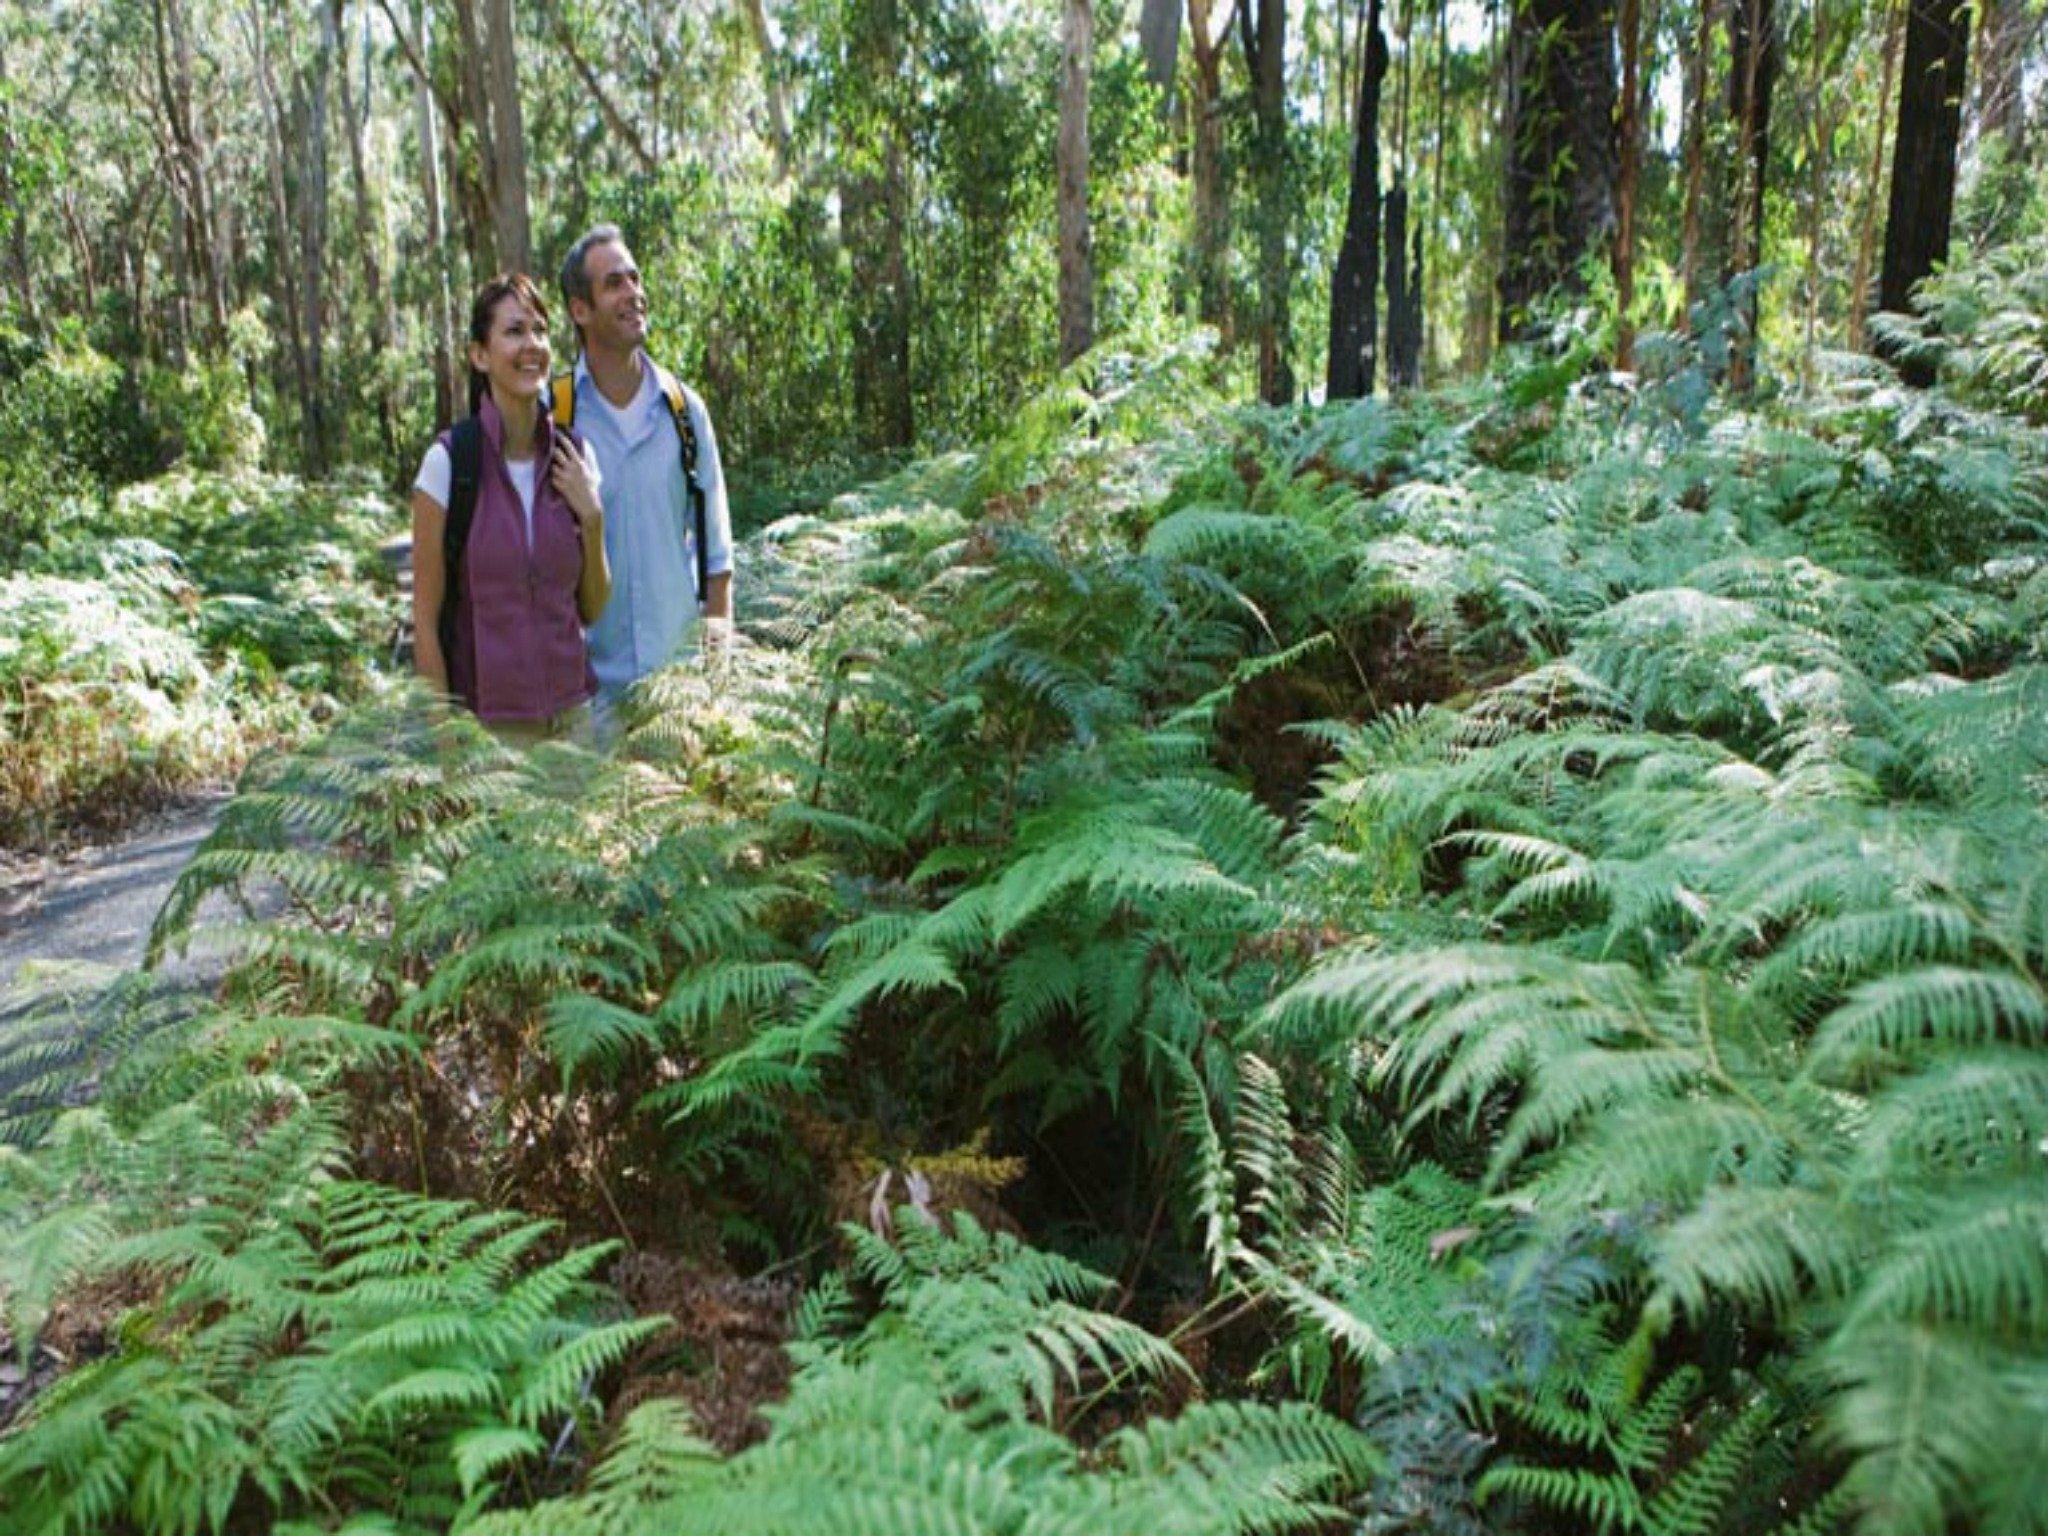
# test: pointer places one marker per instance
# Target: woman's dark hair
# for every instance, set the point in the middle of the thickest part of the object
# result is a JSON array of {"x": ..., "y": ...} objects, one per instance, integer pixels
[{"x": 506, "y": 285}]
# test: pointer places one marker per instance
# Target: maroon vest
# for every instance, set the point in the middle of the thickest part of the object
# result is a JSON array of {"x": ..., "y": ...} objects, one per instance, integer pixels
[{"x": 518, "y": 651}]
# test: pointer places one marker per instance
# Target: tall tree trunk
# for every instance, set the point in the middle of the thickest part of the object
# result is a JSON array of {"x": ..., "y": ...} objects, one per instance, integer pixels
[
  {"x": 874, "y": 202},
  {"x": 469, "y": 180},
  {"x": 1404, "y": 29},
  {"x": 320, "y": 417},
  {"x": 1627, "y": 174},
  {"x": 1873, "y": 181},
  {"x": 1752, "y": 72},
  {"x": 1265, "y": 43},
  {"x": 1695, "y": 112},
  {"x": 1411, "y": 322},
  {"x": 181, "y": 279},
  {"x": 508, "y": 128},
  {"x": 81, "y": 248},
  {"x": 477, "y": 184},
  {"x": 1923, "y": 196},
  {"x": 198, "y": 257},
  {"x": 1159, "y": 47},
  {"x": 2008, "y": 31},
  {"x": 441, "y": 327},
  {"x": 1436, "y": 180},
  {"x": 1211, "y": 201},
  {"x": 1402, "y": 327},
  {"x": 1354, "y": 319},
  {"x": 1824, "y": 118},
  {"x": 1561, "y": 151},
  {"x": 369, "y": 242},
  {"x": 1077, "y": 262},
  {"x": 284, "y": 267}
]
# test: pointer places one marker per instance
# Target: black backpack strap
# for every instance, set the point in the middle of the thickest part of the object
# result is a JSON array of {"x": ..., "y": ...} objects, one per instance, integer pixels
[
  {"x": 686, "y": 432},
  {"x": 465, "y": 465}
]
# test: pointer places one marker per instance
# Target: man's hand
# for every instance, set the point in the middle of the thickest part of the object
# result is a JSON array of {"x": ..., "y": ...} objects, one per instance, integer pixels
[{"x": 718, "y": 597}]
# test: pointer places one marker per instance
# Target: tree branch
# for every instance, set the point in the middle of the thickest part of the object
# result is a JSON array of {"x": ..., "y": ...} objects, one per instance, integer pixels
[
  {"x": 419, "y": 68},
  {"x": 613, "y": 118}
]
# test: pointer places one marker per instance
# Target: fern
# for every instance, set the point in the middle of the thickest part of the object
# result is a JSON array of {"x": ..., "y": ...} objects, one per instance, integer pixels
[
  {"x": 932, "y": 1416},
  {"x": 310, "y": 1341}
]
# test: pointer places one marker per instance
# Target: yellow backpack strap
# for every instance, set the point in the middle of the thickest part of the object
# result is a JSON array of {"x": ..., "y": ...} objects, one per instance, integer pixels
[{"x": 563, "y": 386}]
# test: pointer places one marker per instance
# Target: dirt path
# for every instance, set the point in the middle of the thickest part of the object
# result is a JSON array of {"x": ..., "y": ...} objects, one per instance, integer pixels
[{"x": 98, "y": 906}]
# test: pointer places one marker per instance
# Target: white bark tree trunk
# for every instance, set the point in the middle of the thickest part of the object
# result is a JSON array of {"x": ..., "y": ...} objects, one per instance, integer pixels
[{"x": 508, "y": 127}]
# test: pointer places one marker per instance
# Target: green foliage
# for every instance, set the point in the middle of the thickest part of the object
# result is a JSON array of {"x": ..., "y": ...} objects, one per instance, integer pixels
[
  {"x": 1603, "y": 1060},
  {"x": 73, "y": 429},
  {"x": 1744, "y": 905},
  {"x": 1644, "y": 1487},
  {"x": 305, "y": 1342},
  {"x": 1984, "y": 323},
  {"x": 157, "y": 642},
  {"x": 951, "y": 1409}
]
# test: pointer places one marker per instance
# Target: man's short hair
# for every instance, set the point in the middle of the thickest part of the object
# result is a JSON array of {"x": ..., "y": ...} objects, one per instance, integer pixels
[{"x": 575, "y": 280}]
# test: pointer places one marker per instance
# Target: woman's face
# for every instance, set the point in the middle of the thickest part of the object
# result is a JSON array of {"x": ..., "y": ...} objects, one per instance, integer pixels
[{"x": 515, "y": 357}]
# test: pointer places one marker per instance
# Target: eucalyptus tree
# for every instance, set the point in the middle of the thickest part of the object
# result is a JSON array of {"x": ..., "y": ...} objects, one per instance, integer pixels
[
  {"x": 1077, "y": 263},
  {"x": 1209, "y": 192}
]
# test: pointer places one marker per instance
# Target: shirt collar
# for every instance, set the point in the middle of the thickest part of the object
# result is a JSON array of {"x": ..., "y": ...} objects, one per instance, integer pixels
[{"x": 653, "y": 369}]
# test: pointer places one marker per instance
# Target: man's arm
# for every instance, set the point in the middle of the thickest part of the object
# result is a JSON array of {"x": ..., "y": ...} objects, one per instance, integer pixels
[{"x": 718, "y": 601}]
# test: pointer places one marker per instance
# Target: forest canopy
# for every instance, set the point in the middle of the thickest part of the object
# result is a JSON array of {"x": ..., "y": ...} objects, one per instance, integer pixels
[{"x": 873, "y": 225}]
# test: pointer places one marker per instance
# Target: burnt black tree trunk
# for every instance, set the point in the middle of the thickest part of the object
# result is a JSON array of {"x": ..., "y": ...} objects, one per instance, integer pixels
[
  {"x": 1265, "y": 51},
  {"x": 1562, "y": 160},
  {"x": 1354, "y": 317},
  {"x": 1404, "y": 294},
  {"x": 1916, "y": 226},
  {"x": 1752, "y": 72}
]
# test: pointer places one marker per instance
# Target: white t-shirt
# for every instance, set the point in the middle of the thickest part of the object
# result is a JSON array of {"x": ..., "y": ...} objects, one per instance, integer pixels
[
  {"x": 625, "y": 417},
  {"x": 437, "y": 474}
]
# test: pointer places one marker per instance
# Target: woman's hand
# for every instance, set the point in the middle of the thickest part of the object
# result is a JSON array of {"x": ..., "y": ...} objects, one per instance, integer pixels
[{"x": 570, "y": 476}]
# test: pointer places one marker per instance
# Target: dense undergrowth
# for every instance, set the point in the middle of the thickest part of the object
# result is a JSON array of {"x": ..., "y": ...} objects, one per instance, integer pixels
[
  {"x": 154, "y": 640},
  {"x": 1494, "y": 946}
]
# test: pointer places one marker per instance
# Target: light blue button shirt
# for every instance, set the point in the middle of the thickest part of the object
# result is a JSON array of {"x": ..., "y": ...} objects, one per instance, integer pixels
[{"x": 649, "y": 536}]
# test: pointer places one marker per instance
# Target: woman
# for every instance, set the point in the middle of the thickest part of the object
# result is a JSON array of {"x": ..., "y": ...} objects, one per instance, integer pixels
[{"x": 508, "y": 640}]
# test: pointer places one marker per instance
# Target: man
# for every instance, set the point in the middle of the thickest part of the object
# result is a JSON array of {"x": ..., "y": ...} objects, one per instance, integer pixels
[{"x": 656, "y": 458}]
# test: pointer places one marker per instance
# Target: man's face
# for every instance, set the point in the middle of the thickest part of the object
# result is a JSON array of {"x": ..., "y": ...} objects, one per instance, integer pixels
[{"x": 614, "y": 318}]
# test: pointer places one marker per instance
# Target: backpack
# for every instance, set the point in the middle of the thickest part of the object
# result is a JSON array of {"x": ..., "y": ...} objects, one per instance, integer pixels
[{"x": 563, "y": 387}]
